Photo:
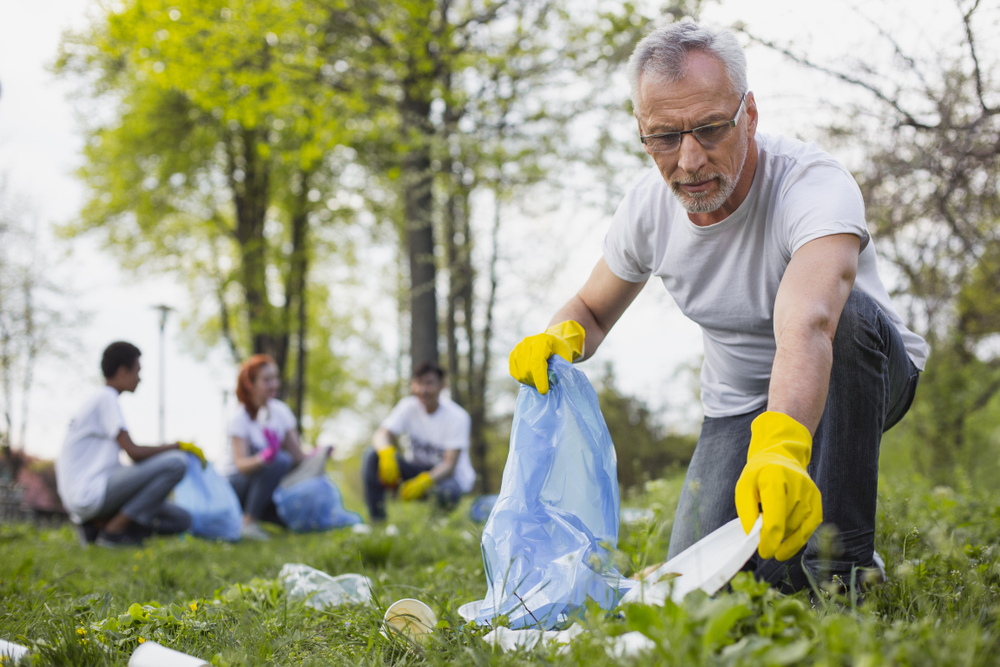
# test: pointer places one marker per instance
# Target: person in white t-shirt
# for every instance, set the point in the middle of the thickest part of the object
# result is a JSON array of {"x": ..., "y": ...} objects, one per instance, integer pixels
[
  {"x": 114, "y": 504},
  {"x": 762, "y": 241},
  {"x": 438, "y": 459},
  {"x": 264, "y": 444}
]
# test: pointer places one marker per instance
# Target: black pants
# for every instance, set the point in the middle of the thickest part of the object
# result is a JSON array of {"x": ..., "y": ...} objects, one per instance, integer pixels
[{"x": 447, "y": 490}]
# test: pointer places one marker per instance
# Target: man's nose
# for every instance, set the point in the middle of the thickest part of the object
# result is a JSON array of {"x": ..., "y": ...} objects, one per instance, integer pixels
[{"x": 691, "y": 155}]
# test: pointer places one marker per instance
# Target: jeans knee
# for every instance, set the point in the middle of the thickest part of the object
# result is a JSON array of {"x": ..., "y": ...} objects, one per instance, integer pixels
[
  {"x": 174, "y": 464},
  {"x": 858, "y": 320}
]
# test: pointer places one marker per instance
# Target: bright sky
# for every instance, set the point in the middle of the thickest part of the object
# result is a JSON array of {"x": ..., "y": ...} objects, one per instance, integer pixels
[{"x": 40, "y": 147}]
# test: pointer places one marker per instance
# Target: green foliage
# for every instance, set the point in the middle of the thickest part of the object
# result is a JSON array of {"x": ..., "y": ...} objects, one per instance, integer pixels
[
  {"x": 940, "y": 606},
  {"x": 645, "y": 449}
]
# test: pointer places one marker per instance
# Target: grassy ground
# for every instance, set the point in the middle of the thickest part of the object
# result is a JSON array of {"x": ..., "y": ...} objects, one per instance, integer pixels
[{"x": 92, "y": 607}]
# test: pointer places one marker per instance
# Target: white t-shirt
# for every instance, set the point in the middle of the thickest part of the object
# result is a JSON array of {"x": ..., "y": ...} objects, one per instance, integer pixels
[
  {"x": 90, "y": 454},
  {"x": 276, "y": 417},
  {"x": 725, "y": 276},
  {"x": 431, "y": 435}
]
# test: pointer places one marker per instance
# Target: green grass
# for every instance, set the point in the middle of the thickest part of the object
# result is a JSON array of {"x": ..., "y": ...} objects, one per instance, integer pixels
[{"x": 941, "y": 605}]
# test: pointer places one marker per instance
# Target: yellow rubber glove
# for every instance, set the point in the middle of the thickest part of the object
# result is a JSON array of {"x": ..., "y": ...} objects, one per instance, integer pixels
[
  {"x": 775, "y": 478},
  {"x": 388, "y": 467},
  {"x": 192, "y": 448},
  {"x": 414, "y": 489},
  {"x": 529, "y": 360}
]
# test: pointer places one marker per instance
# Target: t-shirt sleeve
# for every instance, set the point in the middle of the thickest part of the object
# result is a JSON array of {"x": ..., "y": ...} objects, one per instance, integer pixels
[
  {"x": 110, "y": 416},
  {"x": 239, "y": 424},
  {"x": 627, "y": 252},
  {"x": 822, "y": 200},
  {"x": 398, "y": 420}
]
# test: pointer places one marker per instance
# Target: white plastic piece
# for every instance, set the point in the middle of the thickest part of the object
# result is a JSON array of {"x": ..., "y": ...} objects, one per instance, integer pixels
[
  {"x": 470, "y": 610},
  {"x": 629, "y": 645},
  {"x": 411, "y": 618},
  {"x": 706, "y": 565},
  {"x": 361, "y": 528},
  {"x": 12, "y": 651},
  {"x": 324, "y": 591},
  {"x": 151, "y": 654},
  {"x": 509, "y": 640},
  {"x": 391, "y": 530}
]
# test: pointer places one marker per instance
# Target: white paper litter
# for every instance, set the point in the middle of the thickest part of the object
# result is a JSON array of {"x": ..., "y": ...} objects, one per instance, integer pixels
[
  {"x": 11, "y": 650},
  {"x": 151, "y": 654},
  {"x": 301, "y": 581}
]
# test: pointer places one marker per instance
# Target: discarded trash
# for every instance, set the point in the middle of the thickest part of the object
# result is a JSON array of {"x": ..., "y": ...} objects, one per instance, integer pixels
[
  {"x": 151, "y": 654},
  {"x": 509, "y": 640},
  {"x": 210, "y": 500},
  {"x": 12, "y": 651},
  {"x": 313, "y": 504},
  {"x": 411, "y": 618},
  {"x": 361, "y": 528},
  {"x": 391, "y": 530},
  {"x": 547, "y": 542},
  {"x": 323, "y": 590},
  {"x": 313, "y": 465},
  {"x": 636, "y": 515},
  {"x": 481, "y": 507},
  {"x": 708, "y": 565},
  {"x": 470, "y": 610}
]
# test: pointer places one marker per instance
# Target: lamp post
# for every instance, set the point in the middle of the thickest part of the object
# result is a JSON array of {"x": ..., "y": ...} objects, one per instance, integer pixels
[{"x": 164, "y": 311}]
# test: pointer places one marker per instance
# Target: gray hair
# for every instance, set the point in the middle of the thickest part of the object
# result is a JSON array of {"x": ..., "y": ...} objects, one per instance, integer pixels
[{"x": 664, "y": 52}]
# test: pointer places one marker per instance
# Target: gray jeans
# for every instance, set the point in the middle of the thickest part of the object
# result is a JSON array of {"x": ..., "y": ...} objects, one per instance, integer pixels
[
  {"x": 140, "y": 493},
  {"x": 872, "y": 384}
]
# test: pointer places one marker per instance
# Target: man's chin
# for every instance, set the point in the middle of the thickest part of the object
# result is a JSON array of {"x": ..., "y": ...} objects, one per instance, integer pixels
[{"x": 700, "y": 204}]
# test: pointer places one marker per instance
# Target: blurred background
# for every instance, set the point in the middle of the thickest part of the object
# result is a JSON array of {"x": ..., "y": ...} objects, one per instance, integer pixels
[{"x": 355, "y": 186}]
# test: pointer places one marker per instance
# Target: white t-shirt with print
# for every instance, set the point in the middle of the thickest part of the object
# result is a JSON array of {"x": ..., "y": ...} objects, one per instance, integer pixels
[
  {"x": 725, "y": 276},
  {"x": 276, "y": 417},
  {"x": 431, "y": 435},
  {"x": 90, "y": 454}
]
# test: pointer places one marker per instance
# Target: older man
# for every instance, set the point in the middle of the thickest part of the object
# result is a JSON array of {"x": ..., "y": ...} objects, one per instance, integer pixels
[{"x": 762, "y": 241}]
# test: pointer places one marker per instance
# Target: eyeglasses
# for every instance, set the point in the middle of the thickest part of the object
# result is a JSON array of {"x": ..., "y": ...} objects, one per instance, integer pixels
[{"x": 706, "y": 135}]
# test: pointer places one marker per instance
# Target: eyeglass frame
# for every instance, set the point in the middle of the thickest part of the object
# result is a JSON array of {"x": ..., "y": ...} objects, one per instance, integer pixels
[{"x": 731, "y": 123}]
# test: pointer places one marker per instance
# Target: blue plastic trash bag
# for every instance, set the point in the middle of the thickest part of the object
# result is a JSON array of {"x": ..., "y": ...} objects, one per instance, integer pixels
[
  {"x": 313, "y": 504},
  {"x": 546, "y": 544},
  {"x": 210, "y": 500}
]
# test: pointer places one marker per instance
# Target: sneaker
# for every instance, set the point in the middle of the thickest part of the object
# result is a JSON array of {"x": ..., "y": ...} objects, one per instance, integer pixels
[
  {"x": 253, "y": 531},
  {"x": 86, "y": 533},
  {"x": 116, "y": 540}
]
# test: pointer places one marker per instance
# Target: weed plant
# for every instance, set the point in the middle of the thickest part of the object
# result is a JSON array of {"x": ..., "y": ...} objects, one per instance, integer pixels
[{"x": 222, "y": 602}]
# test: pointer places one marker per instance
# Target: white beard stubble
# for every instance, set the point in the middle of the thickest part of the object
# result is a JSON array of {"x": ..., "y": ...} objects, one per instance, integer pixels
[{"x": 706, "y": 202}]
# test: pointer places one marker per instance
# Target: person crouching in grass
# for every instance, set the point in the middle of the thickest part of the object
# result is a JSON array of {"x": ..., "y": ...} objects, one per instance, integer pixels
[
  {"x": 264, "y": 444},
  {"x": 114, "y": 504}
]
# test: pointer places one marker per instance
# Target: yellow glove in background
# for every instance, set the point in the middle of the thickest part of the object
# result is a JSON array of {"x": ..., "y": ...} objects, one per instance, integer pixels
[
  {"x": 414, "y": 489},
  {"x": 388, "y": 467},
  {"x": 192, "y": 448},
  {"x": 775, "y": 477},
  {"x": 529, "y": 359}
]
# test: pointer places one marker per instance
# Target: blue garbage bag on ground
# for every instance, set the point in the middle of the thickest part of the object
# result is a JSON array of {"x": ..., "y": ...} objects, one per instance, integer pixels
[
  {"x": 210, "y": 500},
  {"x": 313, "y": 504},
  {"x": 548, "y": 542}
]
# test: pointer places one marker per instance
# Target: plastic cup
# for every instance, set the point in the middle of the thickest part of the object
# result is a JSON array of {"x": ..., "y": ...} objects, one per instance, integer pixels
[
  {"x": 411, "y": 618},
  {"x": 12, "y": 651},
  {"x": 151, "y": 654}
]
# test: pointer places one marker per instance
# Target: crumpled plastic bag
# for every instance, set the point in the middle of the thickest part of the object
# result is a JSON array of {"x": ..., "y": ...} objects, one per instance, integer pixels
[
  {"x": 313, "y": 504},
  {"x": 546, "y": 545},
  {"x": 322, "y": 590},
  {"x": 210, "y": 500}
]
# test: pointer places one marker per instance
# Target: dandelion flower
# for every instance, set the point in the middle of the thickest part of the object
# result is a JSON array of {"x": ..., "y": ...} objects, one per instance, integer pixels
[
  {"x": 141, "y": 640},
  {"x": 194, "y": 606},
  {"x": 81, "y": 631}
]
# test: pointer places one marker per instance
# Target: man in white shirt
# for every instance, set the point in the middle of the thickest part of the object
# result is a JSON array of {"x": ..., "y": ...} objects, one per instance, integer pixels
[
  {"x": 438, "y": 429},
  {"x": 112, "y": 504},
  {"x": 762, "y": 241}
]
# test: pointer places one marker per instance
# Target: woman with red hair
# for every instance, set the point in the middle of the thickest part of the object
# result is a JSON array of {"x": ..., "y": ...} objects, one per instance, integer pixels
[{"x": 264, "y": 443}]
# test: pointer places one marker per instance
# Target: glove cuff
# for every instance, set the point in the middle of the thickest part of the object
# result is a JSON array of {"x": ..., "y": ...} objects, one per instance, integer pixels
[
  {"x": 778, "y": 431},
  {"x": 572, "y": 333}
]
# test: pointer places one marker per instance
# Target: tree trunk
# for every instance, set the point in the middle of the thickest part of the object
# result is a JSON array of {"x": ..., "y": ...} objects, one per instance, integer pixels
[
  {"x": 249, "y": 179},
  {"x": 295, "y": 299},
  {"x": 417, "y": 180}
]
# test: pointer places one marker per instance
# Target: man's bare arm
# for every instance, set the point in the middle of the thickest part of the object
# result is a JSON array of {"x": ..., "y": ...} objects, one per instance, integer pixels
[
  {"x": 807, "y": 309},
  {"x": 446, "y": 468},
  {"x": 598, "y": 305},
  {"x": 383, "y": 438},
  {"x": 137, "y": 453}
]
